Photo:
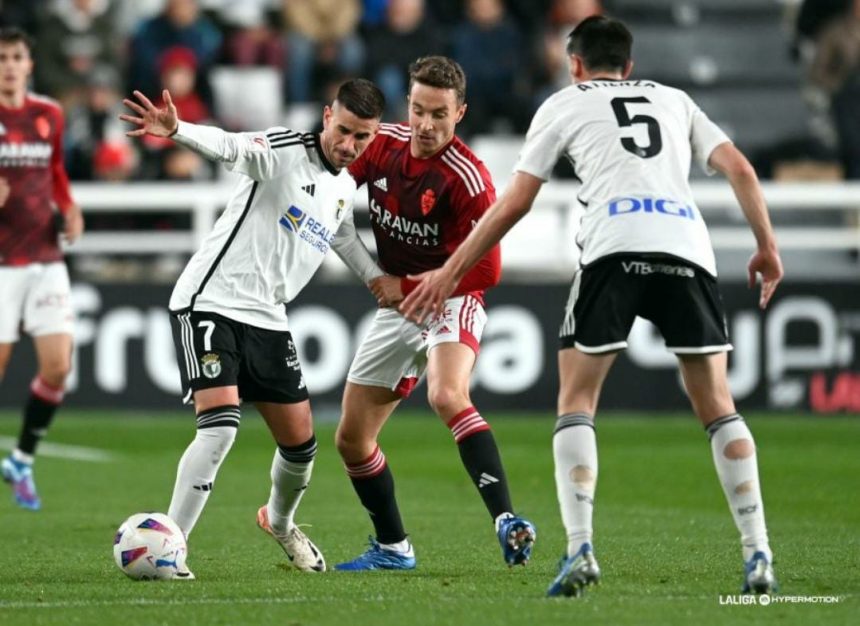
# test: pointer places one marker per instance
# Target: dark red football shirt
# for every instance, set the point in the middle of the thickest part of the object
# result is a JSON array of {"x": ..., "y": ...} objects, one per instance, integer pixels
[
  {"x": 31, "y": 161},
  {"x": 422, "y": 209}
]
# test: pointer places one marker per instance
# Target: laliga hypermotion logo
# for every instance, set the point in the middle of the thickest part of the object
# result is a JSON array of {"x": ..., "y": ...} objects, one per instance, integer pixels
[{"x": 293, "y": 219}]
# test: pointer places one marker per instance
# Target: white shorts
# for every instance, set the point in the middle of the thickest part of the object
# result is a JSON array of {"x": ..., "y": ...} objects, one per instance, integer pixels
[
  {"x": 37, "y": 298},
  {"x": 394, "y": 352}
]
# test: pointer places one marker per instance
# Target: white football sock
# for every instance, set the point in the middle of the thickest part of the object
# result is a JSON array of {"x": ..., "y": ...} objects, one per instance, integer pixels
[
  {"x": 574, "y": 448},
  {"x": 403, "y": 547},
  {"x": 739, "y": 478},
  {"x": 196, "y": 473},
  {"x": 22, "y": 457},
  {"x": 289, "y": 481}
]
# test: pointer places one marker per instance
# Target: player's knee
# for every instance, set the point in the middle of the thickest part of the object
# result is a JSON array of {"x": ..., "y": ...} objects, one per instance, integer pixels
[
  {"x": 349, "y": 443},
  {"x": 218, "y": 441},
  {"x": 55, "y": 374},
  {"x": 446, "y": 401},
  {"x": 739, "y": 449}
]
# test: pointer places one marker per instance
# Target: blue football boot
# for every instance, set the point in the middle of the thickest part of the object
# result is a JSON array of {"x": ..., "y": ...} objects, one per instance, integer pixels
[
  {"x": 377, "y": 557},
  {"x": 20, "y": 477},
  {"x": 575, "y": 573},
  {"x": 516, "y": 536},
  {"x": 759, "y": 576}
]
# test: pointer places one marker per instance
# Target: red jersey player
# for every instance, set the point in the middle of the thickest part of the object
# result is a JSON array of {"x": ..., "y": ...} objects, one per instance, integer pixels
[
  {"x": 34, "y": 282},
  {"x": 426, "y": 191}
]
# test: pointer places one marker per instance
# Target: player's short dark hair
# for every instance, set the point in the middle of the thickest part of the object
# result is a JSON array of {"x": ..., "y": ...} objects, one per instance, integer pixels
[
  {"x": 362, "y": 98},
  {"x": 603, "y": 43},
  {"x": 13, "y": 34},
  {"x": 440, "y": 72}
]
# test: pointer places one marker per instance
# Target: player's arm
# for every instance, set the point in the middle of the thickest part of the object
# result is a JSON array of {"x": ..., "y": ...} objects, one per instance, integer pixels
[
  {"x": 209, "y": 141},
  {"x": 352, "y": 251},
  {"x": 728, "y": 160},
  {"x": 246, "y": 153},
  {"x": 484, "y": 274},
  {"x": 436, "y": 286},
  {"x": 61, "y": 192}
]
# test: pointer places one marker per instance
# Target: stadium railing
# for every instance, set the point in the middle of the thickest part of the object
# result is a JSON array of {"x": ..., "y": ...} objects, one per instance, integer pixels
[{"x": 807, "y": 217}]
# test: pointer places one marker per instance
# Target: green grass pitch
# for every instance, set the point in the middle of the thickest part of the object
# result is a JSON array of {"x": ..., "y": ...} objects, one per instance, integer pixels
[{"x": 664, "y": 536}]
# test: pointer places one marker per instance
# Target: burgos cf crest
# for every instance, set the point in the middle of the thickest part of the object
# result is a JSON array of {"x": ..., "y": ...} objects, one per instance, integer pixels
[
  {"x": 211, "y": 365},
  {"x": 293, "y": 219}
]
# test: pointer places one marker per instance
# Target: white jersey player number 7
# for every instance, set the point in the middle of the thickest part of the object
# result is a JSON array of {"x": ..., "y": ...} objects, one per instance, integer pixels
[
  {"x": 287, "y": 210},
  {"x": 631, "y": 143}
]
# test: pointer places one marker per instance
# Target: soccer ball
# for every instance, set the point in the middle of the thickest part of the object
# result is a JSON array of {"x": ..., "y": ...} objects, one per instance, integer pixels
[{"x": 149, "y": 546}]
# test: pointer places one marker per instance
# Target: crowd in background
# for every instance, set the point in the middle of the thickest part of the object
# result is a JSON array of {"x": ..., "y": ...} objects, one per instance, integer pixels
[{"x": 89, "y": 53}]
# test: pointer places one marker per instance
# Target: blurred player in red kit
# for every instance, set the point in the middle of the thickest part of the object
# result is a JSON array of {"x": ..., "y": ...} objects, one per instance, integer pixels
[
  {"x": 426, "y": 191},
  {"x": 34, "y": 281}
]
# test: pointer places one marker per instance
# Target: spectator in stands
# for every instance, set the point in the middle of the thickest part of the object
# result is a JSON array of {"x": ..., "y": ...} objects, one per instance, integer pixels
[
  {"x": 372, "y": 14},
  {"x": 836, "y": 69},
  {"x": 113, "y": 161},
  {"x": 75, "y": 36},
  {"x": 446, "y": 13},
  {"x": 408, "y": 33},
  {"x": 321, "y": 41},
  {"x": 178, "y": 74},
  {"x": 482, "y": 44},
  {"x": 181, "y": 164},
  {"x": 94, "y": 123},
  {"x": 530, "y": 15},
  {"x": 250, "y": 38},
  {"x": 180, "y": 24},
  {"x": 563, "y": 17},
  {"x": 22, "y": 14},
  {"x": 812, "y": 17}
]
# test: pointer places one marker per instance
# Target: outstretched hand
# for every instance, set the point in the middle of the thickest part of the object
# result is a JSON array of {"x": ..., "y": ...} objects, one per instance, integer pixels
[
  {"x": 151, "y": 120},
  {"x": 768, "y": 264},
  {"x": 427, "y": 300}
]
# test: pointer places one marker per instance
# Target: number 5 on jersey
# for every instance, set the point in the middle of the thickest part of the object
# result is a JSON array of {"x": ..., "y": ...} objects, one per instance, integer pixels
[{"x": 655, "y": 140}]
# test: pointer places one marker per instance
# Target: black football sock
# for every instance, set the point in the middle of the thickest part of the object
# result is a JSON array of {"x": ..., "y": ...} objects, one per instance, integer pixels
[
  {"x": 374, "y": 484},
  {"x": 480, "y": 457},
  {"x": 38, "y": 414}
]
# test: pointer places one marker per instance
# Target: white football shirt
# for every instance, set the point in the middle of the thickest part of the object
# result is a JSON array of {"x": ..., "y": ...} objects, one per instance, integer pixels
[
  {"x": 631, "y": 143},
  {"x": 285, "y": 213}
]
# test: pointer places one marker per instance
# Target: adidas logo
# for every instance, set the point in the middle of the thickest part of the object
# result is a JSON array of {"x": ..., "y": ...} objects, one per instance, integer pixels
[
  {"x": 381, "y": 183},
  {"x": 204, "y": 487},
  {"x": 486, "y": 479},
  {"x": 309, "y": 189}
]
